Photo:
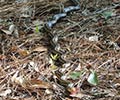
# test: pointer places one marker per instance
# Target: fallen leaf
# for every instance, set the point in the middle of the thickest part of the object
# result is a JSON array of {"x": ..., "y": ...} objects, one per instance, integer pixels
[
  {"x": 6, "y": 31},
  {"x": 75, "y": 92},
  {"x": 48, "y": 91},
  {"x": 79, "y": 95},
  {"x": 23, "y": 52},
  {"x": 37, "y": 29},
  {"x": 20, "y": 80},
  {"x": 29, "y": 98},
  {"x": 13, "y": 48},
  {"x": 34, "y": 66},
  {"x": 40, "y": 84},
  {"x": 107, "y": 14},
  {"x": 30, "y": 84},
  {"x": 5, "y": 93},
  {"x": 16, "y": 33},
  {"x": 76, "y": 75},
  {"x": 12, "y": 28},
  {"x": 93, "y": 79},
  {"x": 53, "y": 67},
  {"x": 68, "y": 99},
  {"x": 116, "y": 1},
  {"x": 93, "y": 38},
  {"x": 2, "y": 57},
  {"x": 54, "y": 57},
  {"x": 40, "y": 49}
]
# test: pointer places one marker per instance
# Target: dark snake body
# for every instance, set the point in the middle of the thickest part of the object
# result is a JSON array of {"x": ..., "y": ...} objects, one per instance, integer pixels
[{"x": 55, "y": 49}]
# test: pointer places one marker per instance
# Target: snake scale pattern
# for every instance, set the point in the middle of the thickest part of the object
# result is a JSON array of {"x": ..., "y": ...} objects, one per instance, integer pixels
[{"x": 55, "y": 46}]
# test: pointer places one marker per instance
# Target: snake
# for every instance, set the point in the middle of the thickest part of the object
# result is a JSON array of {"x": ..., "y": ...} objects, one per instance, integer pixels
[{"x": 55, "y": 46}]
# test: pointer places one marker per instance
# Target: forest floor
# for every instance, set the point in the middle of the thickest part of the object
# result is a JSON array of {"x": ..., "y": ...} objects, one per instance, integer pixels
[{"x": 89, "y": 37}]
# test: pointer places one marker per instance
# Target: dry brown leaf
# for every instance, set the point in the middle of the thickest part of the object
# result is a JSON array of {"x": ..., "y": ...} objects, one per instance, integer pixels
[
  {"x": 68, "y": 99},
  {"x": 29, "y": 84},
  {"x": 2, "y": 57},
  {"x": 6, "y": 31},
  {"x": 13, "y": 48},
  {"x": 23, "y": 53},
  {"x": 40, "y": 84},
  {"x": 20, "y": 80},
  {"x": 116, "y": 1},
  {"x": 5, "y": 93},
  {"x": 79, "y": 95},
  {"x": 40, "y": 49},
  {"x": 29, "y": 98},
  {"x": 75, "y": 92}
]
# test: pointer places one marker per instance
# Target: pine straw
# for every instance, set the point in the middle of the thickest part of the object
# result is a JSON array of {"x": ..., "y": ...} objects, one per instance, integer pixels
[{"x": 24, "y": 61}]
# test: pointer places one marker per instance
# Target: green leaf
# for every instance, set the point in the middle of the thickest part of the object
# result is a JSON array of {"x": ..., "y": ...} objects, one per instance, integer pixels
[
  {"x": 93, "y": 79},
  {"x": 53, "y": 67},
  {"x": 107, "y": 14},
  {"x": 76, "y": 75},
  {"x": 54, "y": 57},
  {"x": 37, "y": 29}
]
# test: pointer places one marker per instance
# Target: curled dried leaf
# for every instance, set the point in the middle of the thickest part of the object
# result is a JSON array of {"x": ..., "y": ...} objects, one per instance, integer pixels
[
  {"x": 23, "y": 53},
  {"x": 40, "y": 49},
  {"x": 20, "y": 80},
  {"x": 40, "y": 84}
]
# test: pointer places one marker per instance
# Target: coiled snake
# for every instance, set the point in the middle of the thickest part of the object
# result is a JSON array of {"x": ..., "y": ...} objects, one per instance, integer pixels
[{"x": 54, "y": 38}]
